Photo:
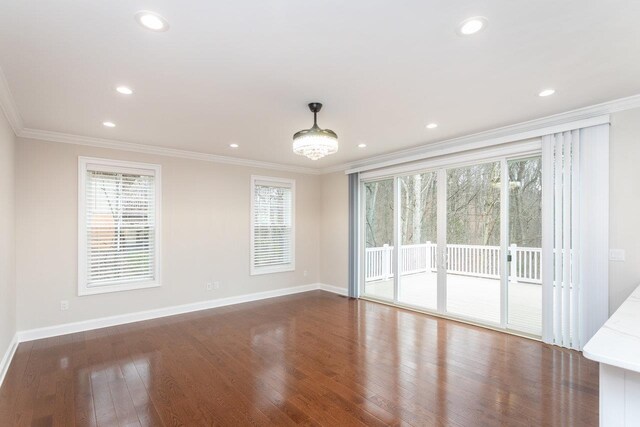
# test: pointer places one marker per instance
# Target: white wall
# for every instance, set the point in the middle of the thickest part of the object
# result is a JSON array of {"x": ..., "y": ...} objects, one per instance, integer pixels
[
  {"x": 624, "y": 225},
  {"x": 205, "y": 234},
  {"x": 206, "y": 230},
  {"x": 7, "y": 236},
  {"x": 334, "y": 230}
]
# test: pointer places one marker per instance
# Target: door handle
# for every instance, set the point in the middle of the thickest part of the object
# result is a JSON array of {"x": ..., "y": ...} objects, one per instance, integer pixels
[{"x": 444, "y": 258}]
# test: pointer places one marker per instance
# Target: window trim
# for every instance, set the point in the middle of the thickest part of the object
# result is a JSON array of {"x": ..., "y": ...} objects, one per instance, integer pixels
[
  {"x": 255, "y": 271},
  {"x": 119, "y": 166}
]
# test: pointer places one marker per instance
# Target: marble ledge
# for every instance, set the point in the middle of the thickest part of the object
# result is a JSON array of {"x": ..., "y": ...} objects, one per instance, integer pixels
[{"x": 617, "y": 343}]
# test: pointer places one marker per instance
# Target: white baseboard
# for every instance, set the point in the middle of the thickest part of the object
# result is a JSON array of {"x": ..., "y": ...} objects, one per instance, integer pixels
[
  {"x": 87, "y": 325},
  {"x": 8, "y": 357},
  {"x": 103, "y": 322},
  {"x": 334, "y": 289}
]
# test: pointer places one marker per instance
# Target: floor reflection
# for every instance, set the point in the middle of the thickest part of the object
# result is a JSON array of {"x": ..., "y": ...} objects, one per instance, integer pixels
[{"x": 312, "y": 358}]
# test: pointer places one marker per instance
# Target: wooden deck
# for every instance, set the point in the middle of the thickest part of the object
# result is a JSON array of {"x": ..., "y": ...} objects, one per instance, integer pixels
[
  {"x": 474, "y": 297},
  {"x": 312, "y": 359}
]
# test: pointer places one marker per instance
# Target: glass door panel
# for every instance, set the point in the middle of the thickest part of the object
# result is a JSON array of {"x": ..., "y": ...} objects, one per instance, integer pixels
[
  {"x": 418, "y": 282},
  {"x": 378, "y": 234},
  {"x": 525, "y": 245},
  {"x": 473, "y": 242},
  {"x": 466, "y": 241}
]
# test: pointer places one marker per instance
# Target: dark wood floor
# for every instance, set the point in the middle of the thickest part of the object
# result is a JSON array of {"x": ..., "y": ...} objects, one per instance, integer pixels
[{"x": 313, "y": 358}]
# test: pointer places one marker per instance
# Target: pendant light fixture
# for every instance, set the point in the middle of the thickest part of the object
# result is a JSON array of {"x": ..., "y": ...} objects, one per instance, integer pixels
[{"x": 315, "y": 143}]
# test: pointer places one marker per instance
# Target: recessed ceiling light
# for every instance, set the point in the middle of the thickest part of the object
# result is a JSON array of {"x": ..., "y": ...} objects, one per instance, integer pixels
[
  {"x": 124, "y": 90},
  {"x": 109, "y": 124},
  {"x": 151, "y": 21},
  {"x": 362, "y": 145},
  {"x": 547, "y": 92},
  {"x": 472, "y": 25},
  {"x": 432, "y": 125},
  {"x": 234, "y": 145}
]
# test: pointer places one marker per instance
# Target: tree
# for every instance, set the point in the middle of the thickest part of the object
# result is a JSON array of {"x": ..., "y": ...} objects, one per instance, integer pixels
[{"x": 473, "y": 206}]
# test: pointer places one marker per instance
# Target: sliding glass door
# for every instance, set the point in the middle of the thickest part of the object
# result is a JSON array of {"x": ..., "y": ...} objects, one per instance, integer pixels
[
  {"x": 418, "y": 279},
  {"x": 473, "y": 242},
  {"x": 379, "y": 237},
  {"x": 461, "y": 241},
  {"x": 525, "y": 245}
]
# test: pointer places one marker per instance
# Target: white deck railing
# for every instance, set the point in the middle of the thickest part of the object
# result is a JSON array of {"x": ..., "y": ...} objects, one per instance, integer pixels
[{"x": 468, "y": 260}]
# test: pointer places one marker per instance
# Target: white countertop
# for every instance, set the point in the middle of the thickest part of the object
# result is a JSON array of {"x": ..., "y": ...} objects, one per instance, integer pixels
[{"x": 617, "y": 343}]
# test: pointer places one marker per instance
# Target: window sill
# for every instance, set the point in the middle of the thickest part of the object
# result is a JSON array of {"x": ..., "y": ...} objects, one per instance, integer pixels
[
  {"x": 271, "y": 270},
  {"x": 85, "y": 291}
]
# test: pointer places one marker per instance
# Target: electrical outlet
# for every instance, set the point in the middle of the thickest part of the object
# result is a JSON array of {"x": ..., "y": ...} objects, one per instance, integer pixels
[
  {"x": 617, "y": 255},
  {"x": 216, "y": 285},
  {"x": 209, "y": 286},
  {"x": 306, "y": 273},
  {"x": 64, "y": 305}
]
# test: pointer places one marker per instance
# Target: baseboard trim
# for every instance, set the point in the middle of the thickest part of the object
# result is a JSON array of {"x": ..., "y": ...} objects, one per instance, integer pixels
[
  {"x": 121, "y": 319},
  {"x": 334, "y": 289},
  {"x": 8, "y": 357}
]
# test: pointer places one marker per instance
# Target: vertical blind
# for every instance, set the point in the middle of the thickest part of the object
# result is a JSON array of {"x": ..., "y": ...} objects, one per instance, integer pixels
[
  {"x": 561, "y": 266},
  {"x": 575, "y": 235},
  {"x": 120, "y": 227},
  {"x": 272, "y": 225},
  {"x": 354, "y": 234}
]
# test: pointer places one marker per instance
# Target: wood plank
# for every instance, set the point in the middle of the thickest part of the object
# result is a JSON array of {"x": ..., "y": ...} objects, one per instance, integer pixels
[{"x": 306, "y": 359}]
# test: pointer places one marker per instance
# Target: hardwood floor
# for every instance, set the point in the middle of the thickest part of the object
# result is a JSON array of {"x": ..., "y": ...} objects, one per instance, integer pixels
[{"x": 313, "y": 359}]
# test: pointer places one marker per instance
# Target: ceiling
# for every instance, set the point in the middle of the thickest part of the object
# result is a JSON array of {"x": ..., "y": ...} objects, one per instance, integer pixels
[{"x": 243, "y": 71}]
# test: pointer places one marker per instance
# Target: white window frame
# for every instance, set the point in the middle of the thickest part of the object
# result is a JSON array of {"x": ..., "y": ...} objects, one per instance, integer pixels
[
  {"x": 284, "y": 267},
  {"x": 440, "y": 165},
  {"x": 93, "y": 163}
]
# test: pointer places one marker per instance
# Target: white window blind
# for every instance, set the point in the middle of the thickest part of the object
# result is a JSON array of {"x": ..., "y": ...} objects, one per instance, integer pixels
[
  {"x": 272, "y": 228},
  {"x": 119, "y": 229},
  {"x": 575, "y": 245}
]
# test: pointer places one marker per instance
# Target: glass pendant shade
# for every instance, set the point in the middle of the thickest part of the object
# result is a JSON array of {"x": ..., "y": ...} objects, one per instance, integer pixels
[{"x": 315, "y": 143}]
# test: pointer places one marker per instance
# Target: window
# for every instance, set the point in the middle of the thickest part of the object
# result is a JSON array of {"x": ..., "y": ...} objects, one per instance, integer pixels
[
  {"x": 272, "y": 225},
  {"x": 118, "y": 226}
]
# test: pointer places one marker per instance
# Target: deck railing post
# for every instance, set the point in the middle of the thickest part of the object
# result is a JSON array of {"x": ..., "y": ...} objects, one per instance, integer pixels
[
  {"x": 427, "y": 254},
  {"x": 386, "y": 260},
  {"x": 513, "y": 275}
]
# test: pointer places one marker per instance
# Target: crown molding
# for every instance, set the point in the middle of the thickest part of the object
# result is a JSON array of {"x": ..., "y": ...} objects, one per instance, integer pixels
[
  {"x": 49, "y": 136},
  {"x": 8, "y": 105},
  {"x": 495, "y": 136}
]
